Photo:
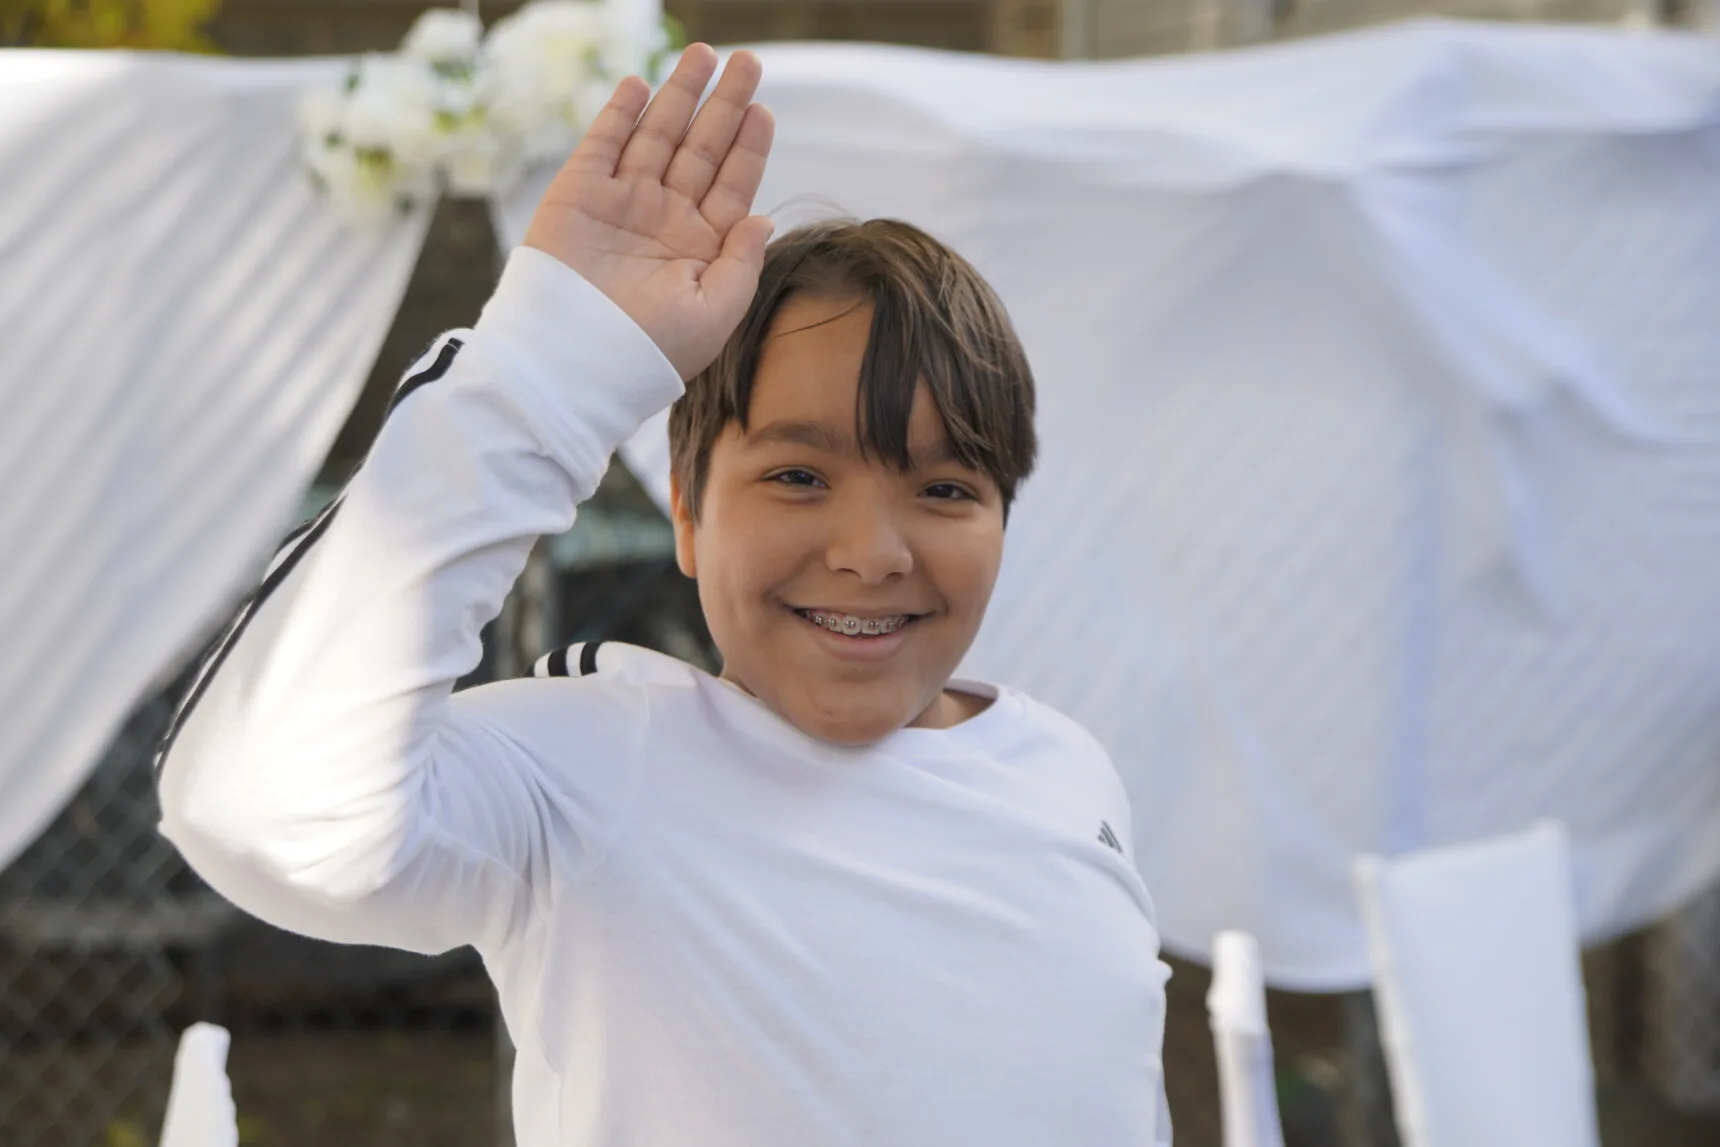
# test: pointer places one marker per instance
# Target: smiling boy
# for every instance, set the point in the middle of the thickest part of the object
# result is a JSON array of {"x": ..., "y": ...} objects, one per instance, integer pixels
[
  {"x": 844, "y": 542},
  {"x": 831, "y": 897}
]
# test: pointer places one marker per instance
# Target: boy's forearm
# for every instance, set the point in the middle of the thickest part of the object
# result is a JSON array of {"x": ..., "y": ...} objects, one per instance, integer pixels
[{"x": 299, "y": 775}]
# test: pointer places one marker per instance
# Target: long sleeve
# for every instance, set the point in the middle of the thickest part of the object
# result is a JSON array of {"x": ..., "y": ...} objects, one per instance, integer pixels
[{"x": 322, "y": 774}]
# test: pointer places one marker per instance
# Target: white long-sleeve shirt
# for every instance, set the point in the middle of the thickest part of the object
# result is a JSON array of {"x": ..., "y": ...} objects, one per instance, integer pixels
[{"x": 705, "y": 926}]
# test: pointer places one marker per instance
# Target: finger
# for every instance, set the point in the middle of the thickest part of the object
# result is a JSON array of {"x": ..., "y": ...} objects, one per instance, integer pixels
[
  {"x": 730, "y": 198},
  {"x": 732, "y": 278},
  {"x": 701, "y": 154},
  {"x": 601, "y": 147},
  {"x": 665, "y": 121}
]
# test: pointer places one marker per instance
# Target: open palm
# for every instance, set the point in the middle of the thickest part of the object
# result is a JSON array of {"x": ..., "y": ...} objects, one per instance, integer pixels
[{"x": 654, "y": 208}]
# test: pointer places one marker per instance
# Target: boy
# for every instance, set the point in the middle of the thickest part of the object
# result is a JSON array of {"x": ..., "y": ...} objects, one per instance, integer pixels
[{"x": 830, "y": 898}]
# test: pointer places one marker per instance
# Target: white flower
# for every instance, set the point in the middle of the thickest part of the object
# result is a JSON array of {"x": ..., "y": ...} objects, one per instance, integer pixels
[
  {"x": 460, "y": 99},
  {"x": 446, "y": 36},
  {"x": 548, "y": 72},
  {"x": 480, "y": 162},
  {"x": 392, "y": 107},
  {"x": 321, "y": 112},
  {"x": 368, "y": 189},
  {"x": 637, "y": 34},
  {"x": 373, "y": 144},
  {"x": 469, "y": 111}
]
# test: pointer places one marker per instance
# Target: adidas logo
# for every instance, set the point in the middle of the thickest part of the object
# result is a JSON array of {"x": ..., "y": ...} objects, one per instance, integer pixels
[{"x": 1109, "y": 838}]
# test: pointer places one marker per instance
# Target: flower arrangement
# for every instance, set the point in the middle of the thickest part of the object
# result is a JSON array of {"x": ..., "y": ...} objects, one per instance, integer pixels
[{"x": 464, "y": 111}]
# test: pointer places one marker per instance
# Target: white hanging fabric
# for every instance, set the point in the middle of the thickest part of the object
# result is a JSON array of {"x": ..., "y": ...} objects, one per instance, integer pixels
[
  {"x": 1379, "y": 503},
  {"x": 186, "y": 325}
]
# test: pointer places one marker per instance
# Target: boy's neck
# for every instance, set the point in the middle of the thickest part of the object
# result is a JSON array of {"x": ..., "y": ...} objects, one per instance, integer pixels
[{"x": 951, "y": 708}]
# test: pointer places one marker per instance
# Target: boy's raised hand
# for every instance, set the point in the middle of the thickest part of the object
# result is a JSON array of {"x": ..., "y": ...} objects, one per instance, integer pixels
[{"x": 657, "y": 214}]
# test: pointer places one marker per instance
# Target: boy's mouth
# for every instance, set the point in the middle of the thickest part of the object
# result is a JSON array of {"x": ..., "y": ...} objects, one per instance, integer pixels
[{"x": 854, "y": 625}]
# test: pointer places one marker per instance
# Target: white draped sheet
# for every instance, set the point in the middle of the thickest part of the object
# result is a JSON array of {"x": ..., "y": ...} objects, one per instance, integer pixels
[
  {"x": 186, "y": 326},
  {"x": 1380, "y": 497}
]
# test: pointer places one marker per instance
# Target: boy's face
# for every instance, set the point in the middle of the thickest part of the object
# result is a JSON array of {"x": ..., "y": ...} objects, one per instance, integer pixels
[{"x": 841, "y": 592}]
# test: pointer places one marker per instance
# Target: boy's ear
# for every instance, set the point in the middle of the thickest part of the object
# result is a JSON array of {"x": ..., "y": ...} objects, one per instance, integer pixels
[{"x": 681, "y": 517}]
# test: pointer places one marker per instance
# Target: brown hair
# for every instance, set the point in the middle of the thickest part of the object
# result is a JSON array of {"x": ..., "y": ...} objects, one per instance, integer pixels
[{"x": 935, "y": 321}]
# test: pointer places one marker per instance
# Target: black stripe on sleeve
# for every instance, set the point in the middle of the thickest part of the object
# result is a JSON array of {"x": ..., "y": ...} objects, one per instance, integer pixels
[
  {"x": 296, "y": 533},
  {"x": 588, "y": 658},
  {"x": 287, "y": 558},
  {"x": 558, "y": 663},
  {"x": 218, "y": 655},
  {"x": 444, "y": 360}
]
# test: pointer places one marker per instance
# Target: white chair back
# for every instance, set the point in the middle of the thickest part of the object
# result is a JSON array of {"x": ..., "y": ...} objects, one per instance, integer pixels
[
  {"x": 1236, "y": 1006},
  {"x": 1479, "y": 988},
  {"x": 200, "y": 1110}
]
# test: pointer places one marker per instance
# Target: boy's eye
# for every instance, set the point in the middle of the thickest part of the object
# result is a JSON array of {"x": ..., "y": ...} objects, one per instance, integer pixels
[
  {"x": 796, "y": 478},
  {"x": 947, "y": 491}
]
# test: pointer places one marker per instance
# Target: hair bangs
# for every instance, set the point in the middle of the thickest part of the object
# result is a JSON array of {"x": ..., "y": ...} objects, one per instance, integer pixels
[
  {"x": 903, "y": 355},
  {"x": 935, "y": 323}
]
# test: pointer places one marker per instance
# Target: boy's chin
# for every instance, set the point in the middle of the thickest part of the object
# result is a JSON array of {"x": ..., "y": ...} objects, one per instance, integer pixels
[{"x": 854, "y": 723}]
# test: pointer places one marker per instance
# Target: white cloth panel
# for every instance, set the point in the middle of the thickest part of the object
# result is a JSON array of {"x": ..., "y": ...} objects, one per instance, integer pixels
[
  {"x": 200, "y": 1111},
  {"x": 1236, "y": 1007},
  {"x": 1380, "y": 494},
  {"x": 186, "y": 325},
  {"x": 1479, "y": 983}
]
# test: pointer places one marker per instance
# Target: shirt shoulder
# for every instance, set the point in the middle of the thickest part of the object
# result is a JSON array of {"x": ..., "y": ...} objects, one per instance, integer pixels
[
  {"x": 1085, "y": 762},
  {"x": 1070, "y": 738},
  {"x": 608, "y": 692},
  {"x": 617, "y": 662},
  {"x": 609, "y": 699},
  {"x": 1056, "y": 724},
  {"x": 578, "y": 731}
]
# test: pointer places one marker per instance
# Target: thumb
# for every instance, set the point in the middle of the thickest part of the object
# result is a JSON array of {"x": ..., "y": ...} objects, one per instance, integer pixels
[{"x": 731, "y": 280}]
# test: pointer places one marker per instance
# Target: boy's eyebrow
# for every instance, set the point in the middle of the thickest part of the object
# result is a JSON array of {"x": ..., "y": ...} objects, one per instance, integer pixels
[
  {"x": 813, "y": 435},
  {"x": 823, "y": 437}
]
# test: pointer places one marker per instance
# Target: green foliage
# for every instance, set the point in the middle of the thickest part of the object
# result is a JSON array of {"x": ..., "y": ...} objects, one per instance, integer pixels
[
  {"x": 657, "y": 67},
  {"x": 169, "y": 25},
  {"x": 125, "y": 1133}
]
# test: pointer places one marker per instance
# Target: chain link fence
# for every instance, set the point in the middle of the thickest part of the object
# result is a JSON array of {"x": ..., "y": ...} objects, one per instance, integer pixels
[
  {"x": 110, "y": 945},
  {"x": 100, "y": 930}
]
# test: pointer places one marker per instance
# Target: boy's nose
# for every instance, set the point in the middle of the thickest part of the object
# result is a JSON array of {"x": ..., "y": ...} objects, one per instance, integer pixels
[{"x": 868, "y": 541}]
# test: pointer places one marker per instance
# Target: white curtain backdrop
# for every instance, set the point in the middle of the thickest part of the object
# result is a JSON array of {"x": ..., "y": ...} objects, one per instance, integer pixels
[
  {"x": 1380, "y": 496},
  {"x": 185, "y": 327},
  {"x": 1380, "y": 501}
]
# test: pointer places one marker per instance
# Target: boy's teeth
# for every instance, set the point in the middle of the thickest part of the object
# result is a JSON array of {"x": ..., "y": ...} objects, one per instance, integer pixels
[{"x": 851, "y": 626}]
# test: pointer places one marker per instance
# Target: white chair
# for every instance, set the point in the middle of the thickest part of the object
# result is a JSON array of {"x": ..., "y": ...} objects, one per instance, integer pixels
[
  {"x": 1479, "y": 989},
  {"x": 200, "y": 1109},
  {"x": 1236, "y": 1007}
]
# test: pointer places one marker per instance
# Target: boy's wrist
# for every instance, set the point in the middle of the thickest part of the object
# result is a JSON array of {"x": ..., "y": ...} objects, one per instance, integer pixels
[{"x": 575, "y": 347}]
